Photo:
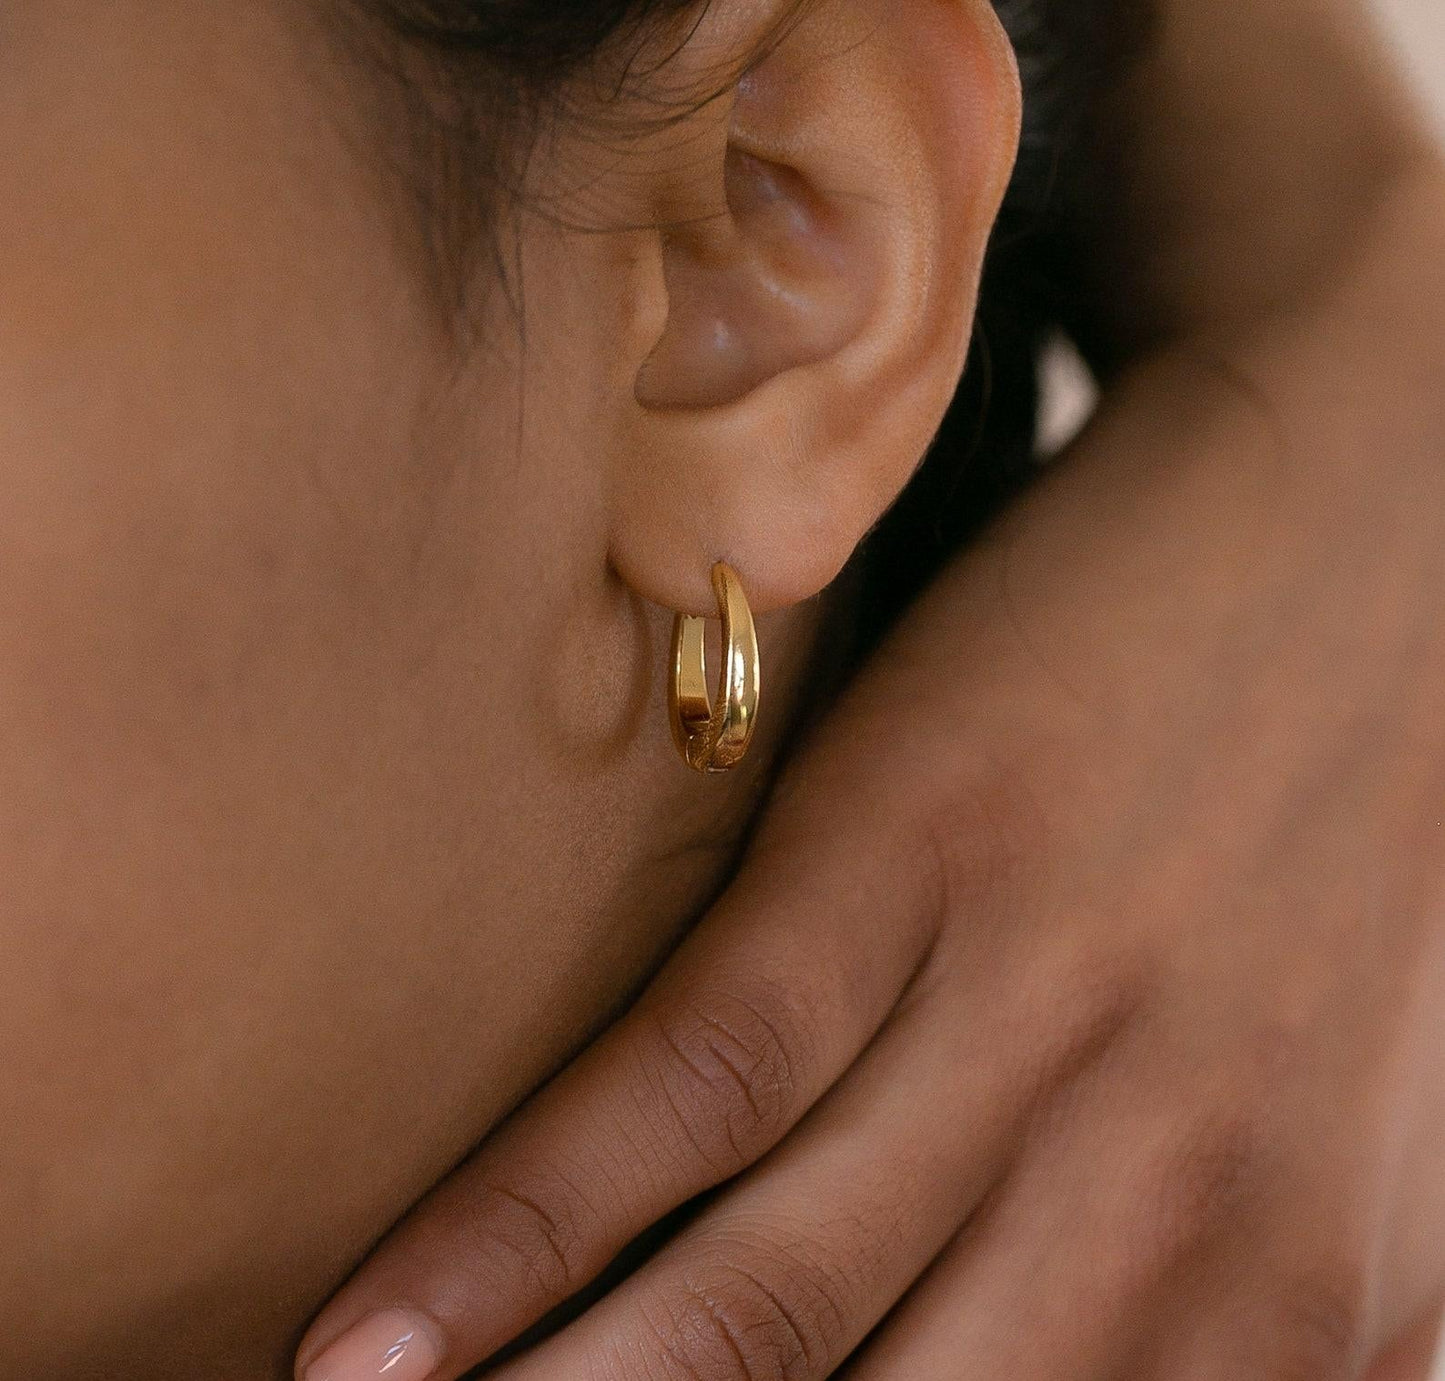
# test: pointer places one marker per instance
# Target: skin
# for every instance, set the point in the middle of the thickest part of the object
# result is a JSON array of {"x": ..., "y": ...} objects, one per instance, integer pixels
[
  {"x": 1064, "y": 999},
  {"x": 340, "y": 806},
  {"x": 1080, "y": 1008},
  {"x": 263, "y": 812}
]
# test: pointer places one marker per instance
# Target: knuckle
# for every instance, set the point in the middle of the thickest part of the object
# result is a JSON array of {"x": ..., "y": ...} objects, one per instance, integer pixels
[
  {"x": 985, "y": 842},
  {"x": 778, "y": 1322},
  {"x": 539, "y": 1222},
  {"x": 1214, "y": 1179},
  {"x": 727, "y": 1069},
  {"x": 1316, "y": 1326},
  {"x": 1230, "y": 1162}
]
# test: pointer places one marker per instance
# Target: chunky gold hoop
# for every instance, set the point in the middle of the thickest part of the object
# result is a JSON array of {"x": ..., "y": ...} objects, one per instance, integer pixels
[{"x": 714, "y": 736}]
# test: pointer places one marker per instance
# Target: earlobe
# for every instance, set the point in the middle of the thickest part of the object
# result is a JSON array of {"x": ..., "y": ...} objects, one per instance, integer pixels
[{"x": 820, "y": 292}]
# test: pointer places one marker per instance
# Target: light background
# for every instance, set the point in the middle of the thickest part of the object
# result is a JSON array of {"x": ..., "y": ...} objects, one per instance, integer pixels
[{"x": 1420, "y": 27}]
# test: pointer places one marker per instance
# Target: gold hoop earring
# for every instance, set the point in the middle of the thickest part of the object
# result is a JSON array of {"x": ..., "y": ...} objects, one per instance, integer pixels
[{"x": 714, "y": 736}]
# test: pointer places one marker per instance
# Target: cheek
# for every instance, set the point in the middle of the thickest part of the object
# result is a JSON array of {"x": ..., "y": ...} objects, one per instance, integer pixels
[
  {"x": 306, "y": 892},
  {"x": 220, "y": 438},
  {"x": 202, "y": 306},
  {"x": 240, "y": 787},
  {"x": 219, "y": 540}
]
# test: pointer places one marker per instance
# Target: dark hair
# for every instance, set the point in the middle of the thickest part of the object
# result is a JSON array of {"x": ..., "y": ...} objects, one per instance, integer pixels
[
  {"x": 512, "y": 54},
  {"x": 531, "y": 41},
  {"x": 1073, "y": 55}
]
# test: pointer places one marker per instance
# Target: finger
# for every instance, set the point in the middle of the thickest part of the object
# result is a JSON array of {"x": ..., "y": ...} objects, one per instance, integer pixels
[
  {"x": 787, "y": 1273},
  {"x": 1066, "y": 1275},
  {"x": 756, "y": 1016}
]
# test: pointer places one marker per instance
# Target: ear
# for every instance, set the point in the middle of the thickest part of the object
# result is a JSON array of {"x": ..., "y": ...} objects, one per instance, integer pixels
[{"x": 821, "y": 229}]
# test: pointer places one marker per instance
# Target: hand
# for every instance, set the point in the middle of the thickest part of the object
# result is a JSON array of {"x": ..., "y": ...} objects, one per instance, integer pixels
[{"x": 1080, "y": 1010}]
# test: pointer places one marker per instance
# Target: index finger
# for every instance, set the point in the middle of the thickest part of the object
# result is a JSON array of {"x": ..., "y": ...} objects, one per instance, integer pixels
[{"x": 755, "y": 1017}]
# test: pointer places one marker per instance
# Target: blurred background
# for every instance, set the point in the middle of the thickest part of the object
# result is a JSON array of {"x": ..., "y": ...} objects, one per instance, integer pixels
[{"x": 1419, "y": 26}]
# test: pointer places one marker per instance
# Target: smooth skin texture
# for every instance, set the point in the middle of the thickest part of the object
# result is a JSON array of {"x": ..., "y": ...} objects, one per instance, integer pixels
[
  {"x": 1080, "y": 1010},
  {"x": 339, "y": 804}
]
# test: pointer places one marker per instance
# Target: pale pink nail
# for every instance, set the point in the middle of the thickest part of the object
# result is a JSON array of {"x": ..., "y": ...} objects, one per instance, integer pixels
[{"x": 393, "y": 1344}]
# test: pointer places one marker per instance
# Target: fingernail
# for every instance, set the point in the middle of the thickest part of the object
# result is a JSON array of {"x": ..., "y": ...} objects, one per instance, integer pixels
[{"x": 393, "y": 1344}]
